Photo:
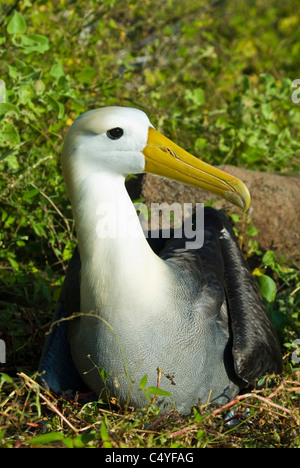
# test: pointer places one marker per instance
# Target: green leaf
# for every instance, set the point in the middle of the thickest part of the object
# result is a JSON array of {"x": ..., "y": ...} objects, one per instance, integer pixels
[
  {"x": 6, "y": 108},
  {"x": 267, "y": 111},
  {"x": 13, "y": 263},
  {"x": 105, "y": 436},
  {"x": 83, "y": 439},
  {"x": 223, "y": 147},
  {"x": 200, "y": 434},
  {"x": 85, "y": 75},
  {"x": 198, "y": 416},
  {"x": 46, "y": 438},
  {"x": 39, "y": 87},
  {"x": 57, "y": 70},
  {"x": 272, "y": 128},
  {"x": 197, "y": 96},
  {"x": 67, "y": 253},
  {"x": 267, "y": 287},
  {"x": 12, "y": 71},
  {"x": 143, "y": 381},
  {"x": 25, "y": 94},
  {"x": 57, "y": 106},
  {"x": 10, "y": 220},
  {"x": 30, "y": 194},
  {"x": 12, "y": 162},
  {"x": 2, "y": 433},
  {"x": 4, "y": 378},
  {"x": 9, "y": 135},
  {"x": 38, "y": 229},
  {"x": 68, "y": 441},
  {"x": 269, "y": 259},
  {"x": 252, "y": 231},
  {"x": 158, "y": 391},
  {"x": 17, "y": 24},
  {"x": 235, "y": 218},
  {"x": 34, "y": 43},
  {"x": 104, "y": 375}
]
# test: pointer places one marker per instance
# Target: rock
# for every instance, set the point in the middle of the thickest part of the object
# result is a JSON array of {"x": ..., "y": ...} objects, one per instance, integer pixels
[{"x": 274, "y": 211}]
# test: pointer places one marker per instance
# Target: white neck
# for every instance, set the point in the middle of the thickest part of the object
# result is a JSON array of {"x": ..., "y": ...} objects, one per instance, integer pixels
[{"x": 119, "y": 270}]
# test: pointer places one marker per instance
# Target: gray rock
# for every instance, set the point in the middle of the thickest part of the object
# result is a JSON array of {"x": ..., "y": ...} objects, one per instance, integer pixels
[{"x": 274, "y": 211}]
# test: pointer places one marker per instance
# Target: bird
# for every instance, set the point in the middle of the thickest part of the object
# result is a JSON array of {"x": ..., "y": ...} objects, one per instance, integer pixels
[{"x": 190, "y": 322}]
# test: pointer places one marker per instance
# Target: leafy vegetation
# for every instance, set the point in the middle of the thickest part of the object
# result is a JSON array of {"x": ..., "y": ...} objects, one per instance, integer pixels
[{"x": 216, "y": 75}]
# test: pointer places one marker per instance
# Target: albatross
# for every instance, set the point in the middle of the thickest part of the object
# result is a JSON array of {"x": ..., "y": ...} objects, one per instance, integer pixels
[{"x": 191, "y": 320}]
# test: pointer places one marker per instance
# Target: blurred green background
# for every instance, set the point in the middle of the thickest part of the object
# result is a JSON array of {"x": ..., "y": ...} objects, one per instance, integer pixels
[{"x": 214, "y": 76}]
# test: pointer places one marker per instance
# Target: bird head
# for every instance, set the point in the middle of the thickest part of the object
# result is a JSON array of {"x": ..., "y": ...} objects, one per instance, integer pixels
[{"x": 122, "y": 140}]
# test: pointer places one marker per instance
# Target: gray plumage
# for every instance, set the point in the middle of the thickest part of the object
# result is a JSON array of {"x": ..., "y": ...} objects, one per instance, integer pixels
[{"x": 222, "y": 342}]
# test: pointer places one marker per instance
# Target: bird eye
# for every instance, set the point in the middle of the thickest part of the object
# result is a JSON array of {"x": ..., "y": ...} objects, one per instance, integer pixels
[{"x": 115, "y": 133}]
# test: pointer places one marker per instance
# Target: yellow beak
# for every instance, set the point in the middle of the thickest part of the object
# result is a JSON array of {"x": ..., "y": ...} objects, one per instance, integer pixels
[{"x": 165, "y": 158}]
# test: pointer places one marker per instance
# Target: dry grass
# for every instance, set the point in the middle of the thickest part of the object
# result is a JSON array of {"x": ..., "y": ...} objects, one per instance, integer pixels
[{"x": 30, "y": 416}]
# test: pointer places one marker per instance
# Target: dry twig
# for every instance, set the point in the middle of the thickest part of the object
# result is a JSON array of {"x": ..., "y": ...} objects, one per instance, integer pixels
[{"x": 30, "y": 383}]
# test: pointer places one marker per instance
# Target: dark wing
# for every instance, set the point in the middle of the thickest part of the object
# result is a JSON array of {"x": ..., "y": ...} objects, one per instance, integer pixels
[
  {"x": 255, "y": 348},
  {"x": 56, "y": 370}
]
